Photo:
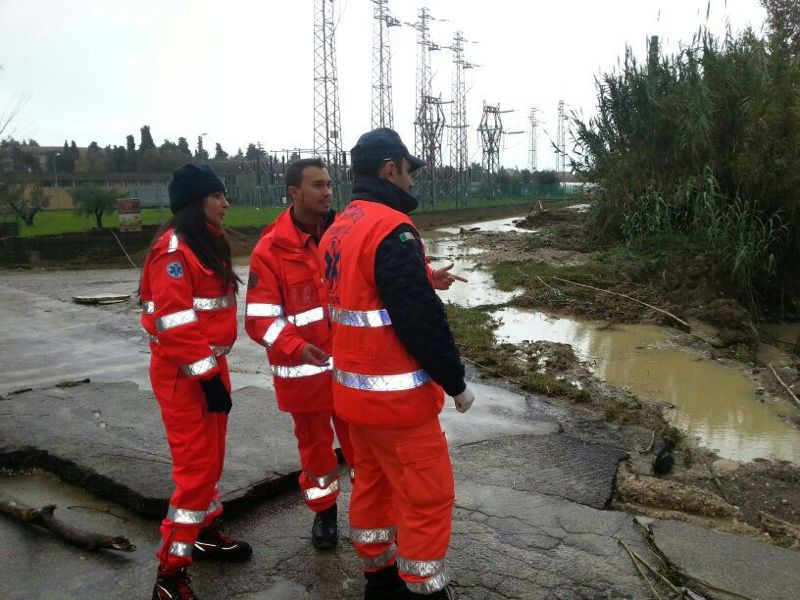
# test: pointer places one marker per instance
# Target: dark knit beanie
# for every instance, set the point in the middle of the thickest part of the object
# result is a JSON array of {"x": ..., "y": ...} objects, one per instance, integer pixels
[{"x": 192, "y": 182}]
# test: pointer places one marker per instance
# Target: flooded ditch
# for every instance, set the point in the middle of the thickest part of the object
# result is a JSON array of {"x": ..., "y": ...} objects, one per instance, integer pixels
[{"x": 718, "y": 403}]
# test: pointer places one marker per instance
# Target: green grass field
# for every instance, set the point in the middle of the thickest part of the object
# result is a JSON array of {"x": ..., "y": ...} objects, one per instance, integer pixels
[{"x": 51, "y": 222}]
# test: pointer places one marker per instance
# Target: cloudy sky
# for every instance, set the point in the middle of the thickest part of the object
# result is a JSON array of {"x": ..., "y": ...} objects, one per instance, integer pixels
[{"x": 242, "y": 70}]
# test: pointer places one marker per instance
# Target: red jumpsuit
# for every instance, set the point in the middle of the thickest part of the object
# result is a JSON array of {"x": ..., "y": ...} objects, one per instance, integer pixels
[
  {"x": 191, "y": 319},
  {"x": 404, "y": 489},
  {"x": 286, "y": 308}
]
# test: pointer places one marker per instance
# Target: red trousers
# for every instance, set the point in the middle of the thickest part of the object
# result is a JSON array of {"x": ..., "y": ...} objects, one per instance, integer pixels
[
  {"x": 403, "y": 494},
  {"x": 196, "y": 441},
  {"x": 319, "y": 479}
]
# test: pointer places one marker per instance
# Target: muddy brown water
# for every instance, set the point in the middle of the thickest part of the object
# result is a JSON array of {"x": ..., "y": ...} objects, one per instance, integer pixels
[{"x": 719, "y": 404}]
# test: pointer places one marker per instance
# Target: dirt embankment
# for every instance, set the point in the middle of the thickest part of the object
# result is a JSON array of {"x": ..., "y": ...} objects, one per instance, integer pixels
[{"x": 562, "y": 272}]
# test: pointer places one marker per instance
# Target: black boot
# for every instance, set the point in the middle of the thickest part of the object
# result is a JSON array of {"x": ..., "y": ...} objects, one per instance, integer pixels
[
  {"x": 173, "y": 585},
  {"x": 385, "y": 584},
  {"x": 325, "y": 531},
  {"x": 212, "y": 545}
]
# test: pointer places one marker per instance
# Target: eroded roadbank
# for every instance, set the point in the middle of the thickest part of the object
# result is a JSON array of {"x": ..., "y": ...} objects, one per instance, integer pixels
[{"x": 557, "y": 279}]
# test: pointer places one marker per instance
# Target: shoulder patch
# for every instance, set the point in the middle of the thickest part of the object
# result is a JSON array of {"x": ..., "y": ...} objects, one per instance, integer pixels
[
  {"x": 175, "y": 270},
  {"x": 407, "y": 236}
]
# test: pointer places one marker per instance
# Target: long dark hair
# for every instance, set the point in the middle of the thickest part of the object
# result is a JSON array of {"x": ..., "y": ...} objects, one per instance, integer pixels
[{"x": 214, "y": 251}]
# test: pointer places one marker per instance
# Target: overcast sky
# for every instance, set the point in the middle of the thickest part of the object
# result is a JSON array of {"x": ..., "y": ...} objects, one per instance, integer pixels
[{"x": 242, "y": 70}]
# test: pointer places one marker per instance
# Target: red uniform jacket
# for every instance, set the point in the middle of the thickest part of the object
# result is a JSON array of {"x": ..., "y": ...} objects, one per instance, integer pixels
[
  {"x": 286, "y": 308},
  {"x": 377, "y": 382},
  {"x": 188, "y": 312}
]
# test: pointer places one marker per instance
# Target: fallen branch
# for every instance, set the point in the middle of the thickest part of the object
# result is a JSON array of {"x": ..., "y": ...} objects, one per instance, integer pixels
[
  {"x": 684, "y": 325},
  {"x": 44, "y": 518},
  {"x": 786, "y": 387},
  {"x": 557, "y": 291},
  {"x": 636, "y": 560}
]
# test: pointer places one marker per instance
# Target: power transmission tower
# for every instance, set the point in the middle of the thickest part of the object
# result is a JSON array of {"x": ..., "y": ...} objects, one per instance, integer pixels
[
  {"x": 533, "y": 152},
  {"x": 382, "y": 113},
  {"x": 327, "y": 126},
  {"x": 459, "y": 155},
  {"x": 492, "y": 133},
  {"x": 429, "y": 121},
  {"x": 561, "y": 140}
]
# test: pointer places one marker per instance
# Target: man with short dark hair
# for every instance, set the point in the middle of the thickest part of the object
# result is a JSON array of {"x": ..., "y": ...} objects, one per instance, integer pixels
[
  {"x": 287, "y": 313},
  {"x": 394, "y": 358}
]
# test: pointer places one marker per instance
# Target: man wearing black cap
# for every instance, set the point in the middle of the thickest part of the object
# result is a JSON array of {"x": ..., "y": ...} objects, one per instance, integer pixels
[{"x": 394, "y": 358}]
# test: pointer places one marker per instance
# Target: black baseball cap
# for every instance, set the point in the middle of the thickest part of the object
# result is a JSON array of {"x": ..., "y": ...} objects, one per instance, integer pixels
[{"x": 377, "y": 146}]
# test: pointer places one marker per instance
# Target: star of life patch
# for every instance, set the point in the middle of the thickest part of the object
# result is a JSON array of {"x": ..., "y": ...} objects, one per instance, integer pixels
[
  {"x": 406, "y": 236},
  {"x": 175, "y": 270}
]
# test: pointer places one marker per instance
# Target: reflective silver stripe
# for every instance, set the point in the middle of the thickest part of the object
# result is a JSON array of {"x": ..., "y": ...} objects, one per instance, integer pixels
[
  {"x": 176, "y": 319},
  {"x": 317, "y": 493},
  {"x": 148, "y": 307},
  {"x": 299, "y": 371},
  {"x": 274, "y": 331},
  {"x": 307, "y": 317},
  {"x": 180, "y": 549},
  {"x": 214, "y": 303},
  {"x": 221, "y": 350},
  {"x": 372, "y": 536},
  {"x": 214, "y": 507},
  {"x": 429, "y": 586},
  {"x": 204, "y": 365},
  {"x": 256, "y": 309},
  {"x": 384, "y": 559},
  {"x": 382, "y": 383},
  {"x": 173, "y": 242},
  {"x": 185, "y": 517},
  {"x": 420, "y": 568},
  {"x": 360, "y": 318},
  {"x": 325, "y": 480}
]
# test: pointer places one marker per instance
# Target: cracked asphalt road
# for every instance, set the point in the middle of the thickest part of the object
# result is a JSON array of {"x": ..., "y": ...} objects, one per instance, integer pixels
[{"x": 528, "y": 521}]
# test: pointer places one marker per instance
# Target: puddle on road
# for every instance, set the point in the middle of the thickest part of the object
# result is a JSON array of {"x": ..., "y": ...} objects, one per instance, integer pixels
[
  {"x": 718, "y": 404},
  {"x": 502, "y": 225},
  {"x": 480, "y": 290},
  {"x": 714, "y": 402}
]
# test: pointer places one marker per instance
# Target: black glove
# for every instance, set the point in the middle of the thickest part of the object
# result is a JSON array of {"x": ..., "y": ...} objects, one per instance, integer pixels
[{"x": 217, "y": 397}]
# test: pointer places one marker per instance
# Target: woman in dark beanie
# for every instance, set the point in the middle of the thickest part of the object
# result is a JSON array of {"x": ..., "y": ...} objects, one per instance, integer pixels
[{"x": 188, "y": 294}]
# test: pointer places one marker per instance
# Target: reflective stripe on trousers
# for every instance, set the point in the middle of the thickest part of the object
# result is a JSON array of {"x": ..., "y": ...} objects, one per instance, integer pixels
[
  {"x": 372, "y": 536},
  {"x": 385, "y": 558},
  {"x": 315, "y": 493}
]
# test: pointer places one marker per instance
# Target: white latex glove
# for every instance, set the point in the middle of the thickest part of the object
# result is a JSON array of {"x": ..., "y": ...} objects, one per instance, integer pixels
[{"x": 464, "y": 400}]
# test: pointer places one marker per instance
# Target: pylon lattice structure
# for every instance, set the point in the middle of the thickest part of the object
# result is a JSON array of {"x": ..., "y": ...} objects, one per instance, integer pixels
[
  {"x": 382, "y": 112},
  {"x": 459, "y": 154},
  {"x": 491, "y": 132},
  {"x": 533, "y": 151},
  {"x": 429, "y": 122},
  {"x": 327, "y": 126},
  {"x": 561, "y": 140}
]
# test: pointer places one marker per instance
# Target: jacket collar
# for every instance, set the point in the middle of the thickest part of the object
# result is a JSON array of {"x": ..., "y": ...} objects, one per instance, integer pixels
[
  {"x": 287, "y": 234},
  {"x": 379, "y": 190}
]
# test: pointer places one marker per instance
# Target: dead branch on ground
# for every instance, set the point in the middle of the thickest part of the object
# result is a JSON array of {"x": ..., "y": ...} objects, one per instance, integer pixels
[{"x": 44, "y": 518}]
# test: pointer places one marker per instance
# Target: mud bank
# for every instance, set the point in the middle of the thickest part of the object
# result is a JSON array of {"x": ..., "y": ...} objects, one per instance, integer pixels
[{"x": 555, "y": 268}]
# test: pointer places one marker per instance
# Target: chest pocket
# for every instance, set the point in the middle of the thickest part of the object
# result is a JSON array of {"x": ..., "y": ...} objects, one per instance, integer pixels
[{"x": 301, "y": 286}]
